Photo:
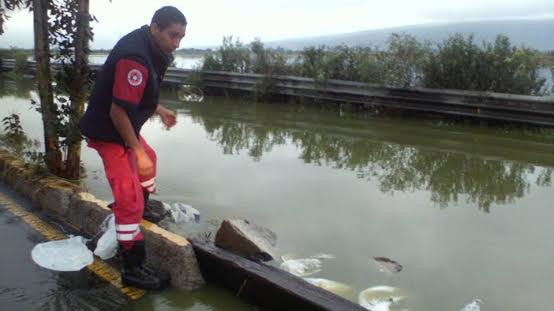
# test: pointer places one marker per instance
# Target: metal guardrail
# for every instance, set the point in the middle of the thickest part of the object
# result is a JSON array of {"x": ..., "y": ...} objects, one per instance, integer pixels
[{"x": 485, "y": 105}]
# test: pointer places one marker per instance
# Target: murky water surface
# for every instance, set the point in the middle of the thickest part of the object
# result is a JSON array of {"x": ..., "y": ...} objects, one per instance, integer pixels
[{"x": 465, "y": 209}]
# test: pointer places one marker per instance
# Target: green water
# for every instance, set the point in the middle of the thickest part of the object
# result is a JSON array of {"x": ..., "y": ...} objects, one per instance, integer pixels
[{"x": 466, "y": 209}]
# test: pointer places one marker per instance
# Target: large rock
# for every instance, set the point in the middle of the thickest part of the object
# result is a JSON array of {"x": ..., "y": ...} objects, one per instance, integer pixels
[{"x": 248, "y": 240}]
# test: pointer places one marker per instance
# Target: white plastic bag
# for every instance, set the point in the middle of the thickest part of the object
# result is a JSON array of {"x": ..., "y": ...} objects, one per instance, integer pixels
[
  {"x": 107, "y": 244},
  {"x": 63, "y": 255},
  {"x": 181, "y": 212}
]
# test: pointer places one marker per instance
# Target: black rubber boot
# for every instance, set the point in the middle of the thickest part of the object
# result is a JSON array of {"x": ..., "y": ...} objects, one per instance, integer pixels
[
  {"x": 134, "y": 273},
  {"x": 154, "y": 210}
]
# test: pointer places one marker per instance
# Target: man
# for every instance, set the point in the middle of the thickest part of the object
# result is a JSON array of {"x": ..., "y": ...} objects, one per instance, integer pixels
[{"x": 124, "y": 97}]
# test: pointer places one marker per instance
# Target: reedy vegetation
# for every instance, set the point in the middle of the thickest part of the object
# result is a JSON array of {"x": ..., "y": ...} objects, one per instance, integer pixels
[{"x": 456, "y": 63}]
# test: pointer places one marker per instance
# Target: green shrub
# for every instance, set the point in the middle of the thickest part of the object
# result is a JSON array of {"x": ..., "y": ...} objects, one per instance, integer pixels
[
  {"x": 460, "y": 63},
  {"x": 310, "y": 63},
  {"x": 456, "y": 63},
  {"x": 267, "y": 61},
  {"x": 231, "y": 56},
  {"x": 403, "y": 60},
  {"x": 400, "y": 64}
]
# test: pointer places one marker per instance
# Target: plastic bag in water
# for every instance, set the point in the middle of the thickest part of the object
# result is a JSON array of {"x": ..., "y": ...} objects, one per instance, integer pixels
[
  {"x": 190, "y": 93},
  {"x": 63, "y": 255},
  {"x": 181, "y": 212},
  {"x": 107, "y": 244}
]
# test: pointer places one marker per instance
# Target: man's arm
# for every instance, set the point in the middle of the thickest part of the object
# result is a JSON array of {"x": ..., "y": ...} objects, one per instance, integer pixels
[{"x": 123, "y": 126}]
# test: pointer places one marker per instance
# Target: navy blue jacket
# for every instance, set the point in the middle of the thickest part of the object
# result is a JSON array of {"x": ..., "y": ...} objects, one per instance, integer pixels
[{"x": 131, "y": 78}]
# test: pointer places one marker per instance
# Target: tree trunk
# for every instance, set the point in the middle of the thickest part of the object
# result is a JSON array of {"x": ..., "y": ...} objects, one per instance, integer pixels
[
  {"x": 78, "y": 91},
  {"x": 44, "y": 81}
]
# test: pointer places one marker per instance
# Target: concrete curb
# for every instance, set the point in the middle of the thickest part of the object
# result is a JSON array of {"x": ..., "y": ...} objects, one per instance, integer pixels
[{"x": 71, "y": 205}]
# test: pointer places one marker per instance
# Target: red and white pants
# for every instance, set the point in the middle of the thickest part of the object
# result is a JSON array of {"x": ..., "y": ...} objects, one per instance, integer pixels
[{"x": 127, "y": 186}]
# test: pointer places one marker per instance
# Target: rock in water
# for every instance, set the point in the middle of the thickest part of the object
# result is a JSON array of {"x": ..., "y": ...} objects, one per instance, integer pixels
[
  {"x": 334, "y": 287},
  {"x": 475, "y": 305},
  {"x": 249, "y": 240},
  {"x": 388, "y": 265}
]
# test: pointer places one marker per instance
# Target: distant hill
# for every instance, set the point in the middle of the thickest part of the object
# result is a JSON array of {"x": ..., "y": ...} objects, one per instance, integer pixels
[{"x": 538, "y": 34}]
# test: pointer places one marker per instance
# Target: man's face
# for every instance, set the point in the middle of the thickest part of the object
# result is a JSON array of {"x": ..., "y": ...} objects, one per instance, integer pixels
[{"x": 169, "y": 39}]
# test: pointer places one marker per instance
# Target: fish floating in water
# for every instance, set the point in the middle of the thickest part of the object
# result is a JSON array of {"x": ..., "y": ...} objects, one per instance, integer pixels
[
  {"x": 334, "y": 287},
  {"x": 304, "y": 266},
  {"x": 323, "y": 256},
  {"x": 388, "y": 265},
  {"x": 475, "y": 305},
  {"x": 381, "y": 298}
]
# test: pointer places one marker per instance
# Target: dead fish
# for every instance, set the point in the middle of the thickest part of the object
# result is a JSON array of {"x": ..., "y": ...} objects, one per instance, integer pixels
[
  {"x": 382, "y": 298},
  {"x": 388, "y": 265},
  {"x": 324, "y": 256},
  {"x": 475, "y": 305},
  {"x": 302, "y": 267},
  {"x": 334, "y": 287}
]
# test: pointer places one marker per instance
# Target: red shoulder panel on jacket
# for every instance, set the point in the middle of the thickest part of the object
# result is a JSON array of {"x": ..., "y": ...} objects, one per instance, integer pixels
[{"x": 129, "y": 81}]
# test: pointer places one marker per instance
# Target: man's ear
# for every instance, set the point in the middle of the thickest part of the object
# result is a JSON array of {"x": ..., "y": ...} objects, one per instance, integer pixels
[{"x": 154, "y": 28}]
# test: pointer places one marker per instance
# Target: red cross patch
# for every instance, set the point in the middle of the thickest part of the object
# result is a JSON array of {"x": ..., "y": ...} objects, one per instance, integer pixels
[
  {"x": 134, "y": 77},
  {"x": 129, "y": 81}
]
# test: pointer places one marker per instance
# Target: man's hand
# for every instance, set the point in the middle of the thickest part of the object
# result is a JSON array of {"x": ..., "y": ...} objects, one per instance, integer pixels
[
  {"x": 169, "y": 118},
  {"x": 145, "y": 166}
]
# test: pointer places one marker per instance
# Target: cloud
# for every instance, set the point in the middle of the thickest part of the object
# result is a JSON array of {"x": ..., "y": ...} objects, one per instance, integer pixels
[
  {"x": 492, "y": 9},
  {"x": 272, "y": 20}
]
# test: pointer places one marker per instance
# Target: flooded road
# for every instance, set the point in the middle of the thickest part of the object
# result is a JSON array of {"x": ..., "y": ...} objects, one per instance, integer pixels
[
  {"x": 26, "y": 286},
  {"x": 465, "y": 209}
]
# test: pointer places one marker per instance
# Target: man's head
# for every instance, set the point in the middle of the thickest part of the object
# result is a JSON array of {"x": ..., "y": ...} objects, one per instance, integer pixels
[{"x": 168, "y": 27}]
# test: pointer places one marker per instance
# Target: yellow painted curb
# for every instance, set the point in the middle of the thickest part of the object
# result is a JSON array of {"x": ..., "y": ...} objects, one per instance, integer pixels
[{"x": 98, "y": 267}]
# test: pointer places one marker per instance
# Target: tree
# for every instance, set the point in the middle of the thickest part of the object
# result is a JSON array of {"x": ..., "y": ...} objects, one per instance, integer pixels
[
  {"x": 71, "y": 40},
  {"x": 64, "y": 24}
]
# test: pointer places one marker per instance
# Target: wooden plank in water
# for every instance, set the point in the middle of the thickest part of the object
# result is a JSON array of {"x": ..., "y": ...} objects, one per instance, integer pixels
[{"x": 262, "y": 285}]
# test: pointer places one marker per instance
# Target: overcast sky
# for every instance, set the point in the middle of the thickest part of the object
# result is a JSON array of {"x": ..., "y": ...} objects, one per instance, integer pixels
[{"x": 272, "y": 20}]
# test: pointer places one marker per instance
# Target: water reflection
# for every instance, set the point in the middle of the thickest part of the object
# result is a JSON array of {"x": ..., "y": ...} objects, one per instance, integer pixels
[
  {"x": 477, "y": 165},
  {"x": 210, "y": 298},
  {"x": 17, "y": 88},
  {"x": 483, "y": 166},
  {"x": 81, "y": 291}
]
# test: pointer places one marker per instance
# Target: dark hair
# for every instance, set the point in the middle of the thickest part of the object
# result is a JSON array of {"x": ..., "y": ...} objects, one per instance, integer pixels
[{"x": 168, "y": 15}]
